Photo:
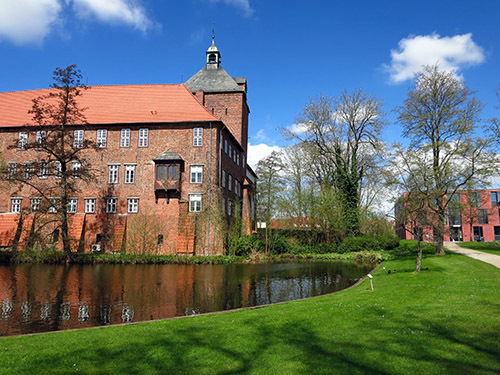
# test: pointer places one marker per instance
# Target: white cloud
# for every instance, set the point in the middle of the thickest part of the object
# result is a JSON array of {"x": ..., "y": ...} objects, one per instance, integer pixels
[
  {"x": 297, "y": 129},
  {"x": 31, "y": 21},
  {"x": 243, "y": 5},
  {"x": 28, "y": 21},
  {"x": 259, "y": 152},
  {"x": 261, "y": 137},
  {"x": 125, "y": 11},
  {"x": 451, "y": 53}
]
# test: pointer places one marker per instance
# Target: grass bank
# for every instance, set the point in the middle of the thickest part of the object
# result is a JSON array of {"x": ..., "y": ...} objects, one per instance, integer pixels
[
  {"x": 487, "y": 247},
  {"x": 442, "y": 321},
  {"x": 405, "y": 248},
  {"x": 55, "y": 257}
]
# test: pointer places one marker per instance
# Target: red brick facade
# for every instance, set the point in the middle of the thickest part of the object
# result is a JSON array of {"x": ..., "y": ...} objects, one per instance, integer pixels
[
  {"x": 206, "y": 146},
  {"x": 474, "y": 217}
]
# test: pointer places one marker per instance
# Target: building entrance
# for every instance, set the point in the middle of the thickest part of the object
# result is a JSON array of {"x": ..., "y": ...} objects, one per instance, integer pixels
[
  {"x": 456, "y": 234},
  {"x": 478, "y": 234}
]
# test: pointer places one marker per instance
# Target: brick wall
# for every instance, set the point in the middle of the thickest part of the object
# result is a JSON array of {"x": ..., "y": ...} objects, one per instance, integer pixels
[{"x": 172, "y": 213}]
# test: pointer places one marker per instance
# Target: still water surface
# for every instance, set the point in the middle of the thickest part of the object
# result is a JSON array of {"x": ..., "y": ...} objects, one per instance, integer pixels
[{"x": 39, "y": 298}]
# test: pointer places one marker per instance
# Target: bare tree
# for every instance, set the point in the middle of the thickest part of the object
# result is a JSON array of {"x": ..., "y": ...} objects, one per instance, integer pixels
[
  {"x": 57, "y": 140},
  {"x": 414, "y": 211},
  {"x": 269, "y": 186},
  {"x": 440, "y": 116},
  {"x": 343, "y": 132},
  {"x": 145, "y": 234}
]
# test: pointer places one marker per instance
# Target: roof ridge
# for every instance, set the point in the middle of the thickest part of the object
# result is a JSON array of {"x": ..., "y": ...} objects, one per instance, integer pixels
[{"x": 112, "y": 85}]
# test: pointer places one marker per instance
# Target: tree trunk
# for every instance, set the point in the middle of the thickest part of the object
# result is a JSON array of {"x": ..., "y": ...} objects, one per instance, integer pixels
[
  {"x": 439, "y": 238},
  {"x": 19, "y": 231},
  {"x": 418, "y": 262}
]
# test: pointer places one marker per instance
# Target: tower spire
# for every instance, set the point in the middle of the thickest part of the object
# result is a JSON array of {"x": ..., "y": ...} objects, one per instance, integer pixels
[{"x": 213, "y": 54}]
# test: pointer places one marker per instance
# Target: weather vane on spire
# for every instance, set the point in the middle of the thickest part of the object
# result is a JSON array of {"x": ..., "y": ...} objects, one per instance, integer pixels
[{"x": 213, "y": 31}]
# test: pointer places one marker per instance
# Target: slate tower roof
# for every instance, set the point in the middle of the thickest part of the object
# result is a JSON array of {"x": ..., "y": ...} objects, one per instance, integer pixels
[{"x": 212, "y": 77}]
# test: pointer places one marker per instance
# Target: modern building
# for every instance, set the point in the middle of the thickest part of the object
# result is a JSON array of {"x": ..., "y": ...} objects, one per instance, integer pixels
[
  {"x": 471, "y": 216},
  {"x": 171, "y": 160}
]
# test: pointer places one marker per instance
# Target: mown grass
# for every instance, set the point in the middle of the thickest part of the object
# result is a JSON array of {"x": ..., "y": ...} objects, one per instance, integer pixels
[
  {"x": 442, "y": 321},
  {"x": 487, "y": 247}
]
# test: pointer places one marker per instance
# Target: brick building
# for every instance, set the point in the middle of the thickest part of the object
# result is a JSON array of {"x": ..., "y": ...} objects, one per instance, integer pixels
[
  {"x": 471, "y": 216},
  {"x": 176, "y": 153}
]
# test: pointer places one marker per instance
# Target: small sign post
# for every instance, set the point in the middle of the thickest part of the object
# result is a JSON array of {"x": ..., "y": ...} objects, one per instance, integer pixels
[{"x": 371, "y": 281}]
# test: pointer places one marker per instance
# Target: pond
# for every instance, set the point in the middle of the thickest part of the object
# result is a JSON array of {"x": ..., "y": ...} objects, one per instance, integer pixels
[{"x": 39, "y": 297}]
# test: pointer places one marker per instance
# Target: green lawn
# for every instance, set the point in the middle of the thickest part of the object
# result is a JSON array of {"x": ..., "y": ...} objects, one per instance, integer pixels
[
  {"x": 445, "y": 320},
  {"x": 487, "y": 247}
]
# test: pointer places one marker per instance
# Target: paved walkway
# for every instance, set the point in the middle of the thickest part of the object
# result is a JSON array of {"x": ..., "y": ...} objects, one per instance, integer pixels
[{"x": 485, "y": 257}]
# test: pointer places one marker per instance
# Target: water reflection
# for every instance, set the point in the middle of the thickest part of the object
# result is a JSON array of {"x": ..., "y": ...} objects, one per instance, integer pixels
[{"x": 37, "y": 298}]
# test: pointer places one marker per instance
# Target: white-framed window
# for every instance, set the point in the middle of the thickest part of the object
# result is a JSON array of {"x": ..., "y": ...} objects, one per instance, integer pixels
[
  {"x": 230, "y": 151},
  {"x": 28, "y": 170},
  {"x": 102, "y": 138},
  {"x": 35, "y": 204},
  {"x": 78, "y": 138},
  {"x": 54, "y": 205},
  {"x": 198, "y": 137},
  {"x": 72, "y": 205},
  {"x": 133, "y": 205},
  {"x": 113, "y": 173},
  {"x": 129, "y": 173},
  {"x": 196, "y": 174},
  {"x": 12, "y": 169},
  {"x": 143, "y": 137},
  {"x": 111, "y": 205},
  {"x": 76, "y": 169},
  {"x": 43, "y": 173},
  {"x": 229, "y": 183},
  {"x": 223, "y": 182},
  {"x": 125, "y": 138},
  {"x": 229, "y": 207},
  {"x": 23, "y": 141},
  {"x": 58, "y": 171},
  {"x": 41, "y": 135},
  {"x": 243, "y": 161},
  {"x": 238, "y": 159},
  {"x": 225, "y": 146},
  {"x": 15, "y": 205},
  {"x": 221, "y": 142},
  {"x": 89, "y": 205},
  {"x": 224, "y": 206},
  {"x": 194, "y": 202}
]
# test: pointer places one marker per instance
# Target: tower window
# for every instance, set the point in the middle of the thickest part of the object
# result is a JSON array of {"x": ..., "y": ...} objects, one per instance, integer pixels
[{"x": 212, "y": 58}]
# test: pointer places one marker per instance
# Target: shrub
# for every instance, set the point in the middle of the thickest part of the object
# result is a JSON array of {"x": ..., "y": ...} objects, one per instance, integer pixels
[
  {"x": 368, "y": 243},
  {"x": 280, "y": 245}
]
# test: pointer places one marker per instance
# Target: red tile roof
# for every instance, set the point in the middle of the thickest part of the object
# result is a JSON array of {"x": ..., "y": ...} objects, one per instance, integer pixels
[{"x": 115, "y": 104}]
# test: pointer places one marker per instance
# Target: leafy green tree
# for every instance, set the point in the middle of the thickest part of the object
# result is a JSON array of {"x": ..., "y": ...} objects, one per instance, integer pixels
[{"x": 440, "y": 118}]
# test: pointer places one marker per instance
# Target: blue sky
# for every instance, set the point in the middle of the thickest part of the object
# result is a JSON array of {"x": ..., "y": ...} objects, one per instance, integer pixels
[{"x": 290, "y": 51}]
